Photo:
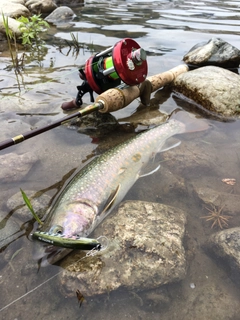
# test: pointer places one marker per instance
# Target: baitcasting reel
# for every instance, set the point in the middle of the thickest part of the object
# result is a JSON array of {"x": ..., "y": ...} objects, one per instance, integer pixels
[{"x": 123, "y": 62}]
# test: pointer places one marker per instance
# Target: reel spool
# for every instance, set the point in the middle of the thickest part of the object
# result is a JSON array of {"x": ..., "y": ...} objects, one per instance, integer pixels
[{"x": 123, "y": 62}]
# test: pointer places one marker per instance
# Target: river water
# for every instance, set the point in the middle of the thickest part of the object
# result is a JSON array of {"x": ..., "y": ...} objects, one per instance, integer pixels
[{"x": 32, "y": 98}]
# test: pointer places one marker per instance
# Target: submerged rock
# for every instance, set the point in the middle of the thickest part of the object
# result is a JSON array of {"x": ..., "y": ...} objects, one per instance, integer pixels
[
  {"x": 226, "y": 245},
  {"x": 13, "y": 167},
  {"x": 213, "y": 88},
  {"x": 215, "y": 52},
  {"x": 229, "y": 202},
  {"x": 145, "y": 251},
  {"x": 9, "y": 229},
  {"x": 94, "y": 124},
  {"x": 39, "y": 202}
]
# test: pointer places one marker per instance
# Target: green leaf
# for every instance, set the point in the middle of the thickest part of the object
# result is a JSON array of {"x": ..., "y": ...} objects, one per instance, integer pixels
[{"x": 28, "y": 203}]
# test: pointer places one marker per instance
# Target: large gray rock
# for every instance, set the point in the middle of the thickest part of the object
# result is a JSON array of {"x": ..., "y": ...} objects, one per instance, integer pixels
[
  {"x": 60, "y": 15},
  {"x": 14, "y": 8},
  {"x": 13, "y": 26},
  {"x": 215, "y": 52},
  {"x": 145, "y": 251},
  {"x": 214, "y": 88},
  {"x": 41, "y": 6}
]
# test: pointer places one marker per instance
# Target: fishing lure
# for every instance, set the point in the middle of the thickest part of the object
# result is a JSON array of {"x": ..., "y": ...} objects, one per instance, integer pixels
[{"x": 60, "y": 240}]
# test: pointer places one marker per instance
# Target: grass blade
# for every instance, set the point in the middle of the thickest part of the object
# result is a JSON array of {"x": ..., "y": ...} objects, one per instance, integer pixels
[{"x": 28, "y": 203}]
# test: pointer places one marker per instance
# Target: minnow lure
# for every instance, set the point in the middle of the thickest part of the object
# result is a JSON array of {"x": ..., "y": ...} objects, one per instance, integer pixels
[{"x": 60, "y": 240}]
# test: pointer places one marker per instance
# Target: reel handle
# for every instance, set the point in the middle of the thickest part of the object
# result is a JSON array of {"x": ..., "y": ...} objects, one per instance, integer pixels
[{"x": 115, "y": 99}]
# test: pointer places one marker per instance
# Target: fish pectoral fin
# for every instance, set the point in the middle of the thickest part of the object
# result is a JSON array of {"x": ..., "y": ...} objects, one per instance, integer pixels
[
  {"x": 111, "y": 199},
  {"x": 149, "y": 172},
  {"x": 170, "y": 144}
]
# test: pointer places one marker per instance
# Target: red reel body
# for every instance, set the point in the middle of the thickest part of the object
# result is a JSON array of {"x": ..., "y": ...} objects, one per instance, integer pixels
[{"x": 124, "y": 62}]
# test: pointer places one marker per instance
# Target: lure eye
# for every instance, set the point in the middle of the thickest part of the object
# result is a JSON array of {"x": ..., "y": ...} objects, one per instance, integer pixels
[{"x": 56, "y": 230}]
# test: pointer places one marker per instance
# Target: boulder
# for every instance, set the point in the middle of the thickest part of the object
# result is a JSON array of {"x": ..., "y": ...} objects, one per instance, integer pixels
[
  {"x": 14, "y": 8},
  {"x": 41, "y": 6},
  {"x": 60, "y": 15},
  {"x": 213, "y": 88},
  {"x": 215, "y": 52},
  {"x": 13, "y": 26},
  {"x": 145, "y": 251}
]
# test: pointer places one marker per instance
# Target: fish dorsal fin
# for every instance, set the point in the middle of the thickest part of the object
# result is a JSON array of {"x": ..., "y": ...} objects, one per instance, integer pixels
[{"x": 111, "y": 199}]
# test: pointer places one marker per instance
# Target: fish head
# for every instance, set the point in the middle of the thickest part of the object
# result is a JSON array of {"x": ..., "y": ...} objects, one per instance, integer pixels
[{"x": 74, "y": 219}]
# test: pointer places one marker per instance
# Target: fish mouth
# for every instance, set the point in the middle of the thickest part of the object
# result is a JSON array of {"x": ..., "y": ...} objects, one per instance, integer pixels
[
  {"x": 47, "y": 254},
  {"x": 53, "y": 255},
  {"x": 51, "y": 248}
]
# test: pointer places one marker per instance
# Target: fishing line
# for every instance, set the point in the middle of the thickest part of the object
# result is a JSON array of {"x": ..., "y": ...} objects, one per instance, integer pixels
[
  {"x": 27, "y": 293},
  {"x": 90, "y": 253}
]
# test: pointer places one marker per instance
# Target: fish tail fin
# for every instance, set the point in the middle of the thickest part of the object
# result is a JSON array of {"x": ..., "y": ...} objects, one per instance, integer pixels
[{"x": 192, "y": 122}]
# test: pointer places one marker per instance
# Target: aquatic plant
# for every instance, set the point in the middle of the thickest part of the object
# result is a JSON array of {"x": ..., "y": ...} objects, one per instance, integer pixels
[
  {"x": 32, "y": 28},
  {"x": 75, "y": 46},
  {"x": 29, "y": 205},
  {"x": 218, "y": 219},
  {"x": 11, "y": 37}
]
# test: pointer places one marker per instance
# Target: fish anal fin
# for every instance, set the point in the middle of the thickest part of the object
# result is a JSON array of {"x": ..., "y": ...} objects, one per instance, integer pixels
[{"x": 111, "y": 199}]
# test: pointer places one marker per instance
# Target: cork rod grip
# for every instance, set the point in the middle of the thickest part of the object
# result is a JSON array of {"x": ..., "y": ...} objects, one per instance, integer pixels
[
  {"x": 115, "y": 99},
  {"x": 162, "y": 79}
]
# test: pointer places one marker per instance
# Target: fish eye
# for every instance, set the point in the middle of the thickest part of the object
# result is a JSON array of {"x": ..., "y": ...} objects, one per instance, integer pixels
[{"x": 56, "y": 229}]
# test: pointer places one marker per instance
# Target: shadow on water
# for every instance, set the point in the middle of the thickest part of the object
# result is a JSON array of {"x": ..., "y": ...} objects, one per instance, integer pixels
[{"x": 166, "y": 30}]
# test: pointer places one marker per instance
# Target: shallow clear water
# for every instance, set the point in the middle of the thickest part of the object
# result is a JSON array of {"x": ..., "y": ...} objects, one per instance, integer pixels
[{"x": 166, "y": 30}]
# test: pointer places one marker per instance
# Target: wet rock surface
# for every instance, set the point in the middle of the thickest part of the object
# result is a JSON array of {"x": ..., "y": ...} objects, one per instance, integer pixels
[
  {"x": 145, "y": 251},
  {"x": 213, "y": 88},
  {"x": 215, "y": 52}
]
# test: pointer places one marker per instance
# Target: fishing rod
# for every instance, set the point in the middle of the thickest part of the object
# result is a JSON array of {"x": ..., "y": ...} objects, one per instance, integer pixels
[
  {"x": 103, "y": 73},
  {"x": 109, "y": 101},
  {"x": 22, "y": 137}
]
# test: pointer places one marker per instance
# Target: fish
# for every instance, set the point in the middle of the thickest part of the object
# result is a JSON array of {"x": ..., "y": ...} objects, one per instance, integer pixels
[{"x": 97, "y": 188}]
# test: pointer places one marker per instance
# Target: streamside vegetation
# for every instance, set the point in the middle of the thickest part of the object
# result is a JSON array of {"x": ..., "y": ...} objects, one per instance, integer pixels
[{"x": 32, "y": 30}]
